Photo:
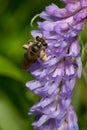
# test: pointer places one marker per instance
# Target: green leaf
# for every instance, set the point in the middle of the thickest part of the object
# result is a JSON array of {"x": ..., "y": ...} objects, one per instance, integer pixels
[
  {"x": 10, "y": 118},
  {"x": 8, "y": 68},
  {"x": 84, "y": 54},
  {"x": 83, "y": 34},
  {"x": 85, "y": 72}
]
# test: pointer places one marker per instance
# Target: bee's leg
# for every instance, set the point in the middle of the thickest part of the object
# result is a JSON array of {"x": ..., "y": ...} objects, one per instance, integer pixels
[
  {"x": 27, "y": 46},
  {"x": 43, "y": 55},
  {"x": 31, "y": 42}
]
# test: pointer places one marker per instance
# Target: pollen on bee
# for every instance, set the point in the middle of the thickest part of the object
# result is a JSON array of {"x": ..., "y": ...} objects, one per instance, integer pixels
[{"x": 43, "y": 55}]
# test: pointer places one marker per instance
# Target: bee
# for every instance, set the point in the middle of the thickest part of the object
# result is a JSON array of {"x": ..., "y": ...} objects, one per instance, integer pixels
[{"x": 34, "y": 49}]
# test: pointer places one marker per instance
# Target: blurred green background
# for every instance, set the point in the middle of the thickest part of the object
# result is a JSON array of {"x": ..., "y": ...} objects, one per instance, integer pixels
[{"x": 15, "y": 98}]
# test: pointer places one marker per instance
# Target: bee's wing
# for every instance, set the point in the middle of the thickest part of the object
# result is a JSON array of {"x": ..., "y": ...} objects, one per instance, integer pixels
[
  {"x": 31, "y": 42},
  {"x": 26, "y": 62}
]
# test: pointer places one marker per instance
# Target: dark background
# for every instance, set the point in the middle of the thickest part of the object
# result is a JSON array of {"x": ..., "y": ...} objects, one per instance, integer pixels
[{"x": 15, "y": 98}]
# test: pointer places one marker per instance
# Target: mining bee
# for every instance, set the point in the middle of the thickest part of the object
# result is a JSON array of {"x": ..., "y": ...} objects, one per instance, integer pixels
[{"x": 35, "y": 49}]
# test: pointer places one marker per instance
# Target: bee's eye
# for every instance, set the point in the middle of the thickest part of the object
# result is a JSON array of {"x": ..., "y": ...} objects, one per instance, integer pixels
[{"x": 37, "y": 38}]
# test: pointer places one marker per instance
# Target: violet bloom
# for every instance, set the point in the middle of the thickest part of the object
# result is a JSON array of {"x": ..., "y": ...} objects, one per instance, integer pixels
[{"x": 55, "y": 78}]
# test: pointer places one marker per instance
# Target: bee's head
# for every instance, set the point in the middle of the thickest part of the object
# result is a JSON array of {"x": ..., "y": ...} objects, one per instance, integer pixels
[{"x": 42, "y": 40}]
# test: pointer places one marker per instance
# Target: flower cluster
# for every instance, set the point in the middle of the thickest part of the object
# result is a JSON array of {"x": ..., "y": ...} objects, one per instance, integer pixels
[{"x": 55, "y": 78}]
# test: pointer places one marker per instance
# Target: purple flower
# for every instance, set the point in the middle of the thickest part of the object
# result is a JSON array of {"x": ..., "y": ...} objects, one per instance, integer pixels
[{"x": 55, "y": 78}]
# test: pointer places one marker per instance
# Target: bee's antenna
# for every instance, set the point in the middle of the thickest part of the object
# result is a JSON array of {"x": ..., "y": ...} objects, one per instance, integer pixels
[{"x": 32, "y": 20}]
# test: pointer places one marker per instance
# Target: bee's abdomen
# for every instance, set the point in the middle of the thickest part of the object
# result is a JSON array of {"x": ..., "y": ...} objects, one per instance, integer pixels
[{"x": 32, "y": 53}]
